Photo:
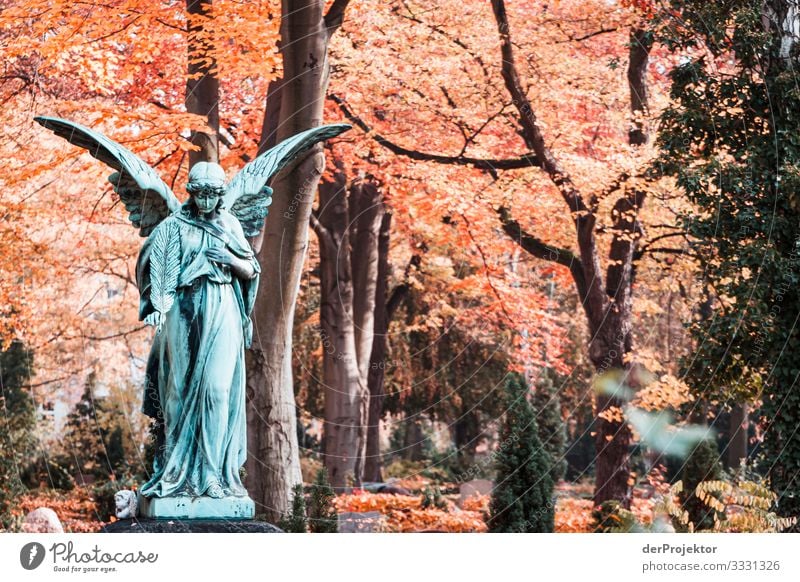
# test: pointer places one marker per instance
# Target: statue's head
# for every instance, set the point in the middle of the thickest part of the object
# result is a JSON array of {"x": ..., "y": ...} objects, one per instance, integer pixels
[
  {"x": 126, "y": 504},
  {"x": 206, "y": 185}
]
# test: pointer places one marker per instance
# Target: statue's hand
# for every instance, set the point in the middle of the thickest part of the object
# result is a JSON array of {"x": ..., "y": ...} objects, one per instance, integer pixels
[
  {"x": 221, "y": 256},
  {"x": 156, "y": 318}
]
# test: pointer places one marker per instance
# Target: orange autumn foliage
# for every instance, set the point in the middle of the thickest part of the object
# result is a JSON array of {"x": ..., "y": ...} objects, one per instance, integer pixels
[
  {"x": 119, "y": 67},
  {"x": 381, "y": 502},
  {"x": 429, "y": 81},
  {"x": 76, "y": 510},
  {"x": 573, "y": 515},
  {"x": 405, "y": 513},
  {"x": 477, "y": 503},
  {"x": 446, "y": 98},
  {"x": 435, "y": 520}
]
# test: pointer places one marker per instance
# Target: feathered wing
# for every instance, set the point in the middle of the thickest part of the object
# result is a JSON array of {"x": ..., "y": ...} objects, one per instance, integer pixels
[
  {"x": 248, "y": 196},
  {"x": 165, "y": 266},
  {"x": 146, "y": 197}
]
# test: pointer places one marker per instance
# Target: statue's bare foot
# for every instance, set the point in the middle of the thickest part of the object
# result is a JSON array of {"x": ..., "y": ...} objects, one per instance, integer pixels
[{"x": 215, "y": 490}]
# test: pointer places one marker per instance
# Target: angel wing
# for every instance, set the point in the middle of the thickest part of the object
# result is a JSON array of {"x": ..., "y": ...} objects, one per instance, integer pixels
[
  {"x": 247, "y": 196},
  {"x": 146, "y": 197}
]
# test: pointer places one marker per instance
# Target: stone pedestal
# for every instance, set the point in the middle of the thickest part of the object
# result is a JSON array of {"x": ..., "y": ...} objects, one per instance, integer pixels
[{"x": 185, "y": 507}]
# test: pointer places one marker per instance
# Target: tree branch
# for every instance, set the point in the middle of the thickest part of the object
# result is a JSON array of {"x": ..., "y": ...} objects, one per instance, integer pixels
[
  {"x": 399, "y": 293},
  {"x": 641, "y": 41},
  {"x": 531, "y": 132},
  {"x": 542, "y": 250},
  {"x": 486, "y": 269},
  {"x": 668, "y": 251},
  {"x": 587, "y": 35},
  {"x": 323, "y": 233},
  {"x": 455, "y": 40},
  {"x": 627, "y": 230},
  {"x": 595, "y": 298},
  {"x": 526, "y": 161},
  {"x": 594, "y": 200},
  {"x": 335, "y": 16}
]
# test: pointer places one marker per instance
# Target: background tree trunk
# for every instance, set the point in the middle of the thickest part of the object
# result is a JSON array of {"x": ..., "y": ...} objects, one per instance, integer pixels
[
  {"x": 344, "y": 387},
  {"x": 274, "y": 460},
  {"x": 612, "y": 336},
  {"x": 737, "y": 437},
  {"x": 376, "y": 376},
  {"x": 413, "y": 448},
  {"x": 202, "y": 84},
  {"x": 348, "y": 226}
]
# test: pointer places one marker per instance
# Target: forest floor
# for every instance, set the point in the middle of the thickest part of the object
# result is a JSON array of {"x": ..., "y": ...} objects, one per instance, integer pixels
[{"x": 423, "y": 510}]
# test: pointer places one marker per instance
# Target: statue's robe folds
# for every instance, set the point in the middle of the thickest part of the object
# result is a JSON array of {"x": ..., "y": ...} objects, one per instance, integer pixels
[{"x": 195, "y": 381}]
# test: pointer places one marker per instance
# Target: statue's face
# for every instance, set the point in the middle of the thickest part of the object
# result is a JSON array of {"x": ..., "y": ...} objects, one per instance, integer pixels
[{"x": 207, "y": 199}]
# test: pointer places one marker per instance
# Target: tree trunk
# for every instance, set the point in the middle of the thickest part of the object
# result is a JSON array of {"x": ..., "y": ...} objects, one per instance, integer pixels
[
  {"x": 366, "y": 217},
  {"x": 466, "y": 431},
  {"x": 376, "y": 376},
  {"x": 345, "y": 390},
  {"x": 612, "y": 332},
  {"x": 414, "y": 440},
  {"x": 613, "y": 438},
  {"x": 737, "y": 436},
  {"x": 274, "y": 460},
  {"x": 639, "y": 55},
  {"x": 348, "y": 225},
  {"x": 202, "y": 84},
  {"x": 269, "y": 137}
]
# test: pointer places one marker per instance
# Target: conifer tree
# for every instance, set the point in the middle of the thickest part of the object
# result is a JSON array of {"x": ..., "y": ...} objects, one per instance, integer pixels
[
  {"x": 522, "y": 499},
  {"x": 295, "y": 521},
  {"x": 17, "y": 425},
  {"x": 552, "y": 431},
  {"x": 322, "y": 516}
]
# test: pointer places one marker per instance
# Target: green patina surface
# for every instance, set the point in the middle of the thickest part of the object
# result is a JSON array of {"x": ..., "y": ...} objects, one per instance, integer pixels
[{"x": 196, "y": 507}]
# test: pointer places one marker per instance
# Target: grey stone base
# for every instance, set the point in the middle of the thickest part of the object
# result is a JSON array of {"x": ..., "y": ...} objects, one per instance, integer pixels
[
  {"x": 185, "y": 507},
  {"x": 142, "y": 525}
]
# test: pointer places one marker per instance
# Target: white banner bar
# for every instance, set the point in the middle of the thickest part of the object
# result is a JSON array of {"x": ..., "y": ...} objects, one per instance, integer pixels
[{"x": 400, "y": 557}]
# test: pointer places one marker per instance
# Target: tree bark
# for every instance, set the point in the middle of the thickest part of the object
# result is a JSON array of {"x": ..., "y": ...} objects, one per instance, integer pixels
[
  {"x": 737, "y": 436},
  {"x": 274, "y": 460},
  {"x": 348, "y": 226},
  {"x": 269, "y": 137},
  {"x": 612, "y": 340},
  {"x": 367, "y": 203},
  {"x": 639, "y": 55},
  {"x": 376, "y": 376},
  {"x": 414, "y": 439},
  {"x": 345, "y": 390},
  {"x": 202, "y": 84}
]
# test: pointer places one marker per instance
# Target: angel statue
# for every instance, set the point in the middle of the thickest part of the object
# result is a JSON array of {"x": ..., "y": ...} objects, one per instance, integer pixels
[{"x": 197, "y": 278}]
